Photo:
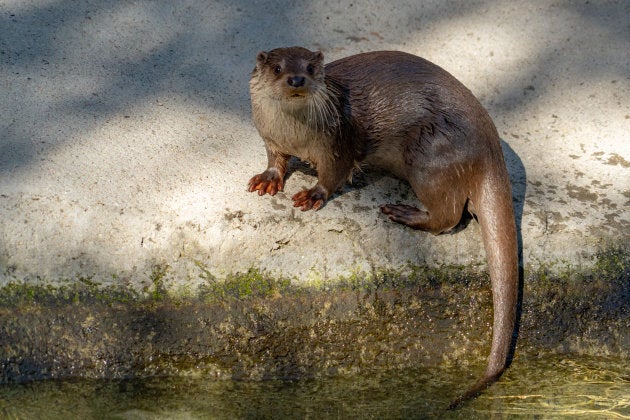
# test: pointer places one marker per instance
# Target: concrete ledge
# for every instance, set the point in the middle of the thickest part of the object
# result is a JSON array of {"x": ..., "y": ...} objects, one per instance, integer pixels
[{"x": 252, "y": 326}]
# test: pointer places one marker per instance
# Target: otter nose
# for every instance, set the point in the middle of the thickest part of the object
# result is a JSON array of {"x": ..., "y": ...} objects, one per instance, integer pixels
[{"x": 296, "y": 81}]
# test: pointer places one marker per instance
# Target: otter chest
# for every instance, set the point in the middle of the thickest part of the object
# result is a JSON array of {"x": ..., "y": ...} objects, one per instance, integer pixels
[{"x": 289, "y": 134}]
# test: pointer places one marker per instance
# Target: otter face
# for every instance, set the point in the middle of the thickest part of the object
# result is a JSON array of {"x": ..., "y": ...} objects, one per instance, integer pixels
[{"x": 290, "y": 74}]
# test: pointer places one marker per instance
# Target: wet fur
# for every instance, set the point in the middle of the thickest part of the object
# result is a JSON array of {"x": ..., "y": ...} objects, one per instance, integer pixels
[{"x": 406, "y": 115}]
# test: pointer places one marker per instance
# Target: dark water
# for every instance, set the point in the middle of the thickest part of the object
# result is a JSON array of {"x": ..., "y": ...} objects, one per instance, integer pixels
[{"x": 551, "y": 386}]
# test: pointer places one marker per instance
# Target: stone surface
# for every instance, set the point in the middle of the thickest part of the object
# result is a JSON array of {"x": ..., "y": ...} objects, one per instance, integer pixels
[
  {"x": 126, "y": 137},
  {"x": 292, "y": 332}
]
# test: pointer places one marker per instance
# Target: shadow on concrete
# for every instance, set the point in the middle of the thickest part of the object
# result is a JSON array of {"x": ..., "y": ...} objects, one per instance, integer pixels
[
  {"x": 207, "y": 61},
  {"x": 518, "y": 178}
]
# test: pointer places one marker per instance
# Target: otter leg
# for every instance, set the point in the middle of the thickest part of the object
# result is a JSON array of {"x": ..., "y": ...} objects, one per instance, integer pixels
[
  {"x": 407, "y": 215},
  {"x": 331, "y": 174},
  {"x": 442, "y": 211},
  {"x": 271, "y": 180}
]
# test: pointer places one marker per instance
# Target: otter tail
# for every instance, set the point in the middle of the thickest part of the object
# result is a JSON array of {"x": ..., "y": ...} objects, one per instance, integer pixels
[{"x": 496, "y": 217}]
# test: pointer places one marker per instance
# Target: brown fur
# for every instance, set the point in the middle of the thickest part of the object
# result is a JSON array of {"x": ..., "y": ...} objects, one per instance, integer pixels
[{"x": 404, "y": 114}]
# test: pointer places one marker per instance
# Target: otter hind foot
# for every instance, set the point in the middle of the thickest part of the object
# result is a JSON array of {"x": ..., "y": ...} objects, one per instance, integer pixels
[
  {"x": 268, "y": 182},
  {"x": 406, "y": 215}
]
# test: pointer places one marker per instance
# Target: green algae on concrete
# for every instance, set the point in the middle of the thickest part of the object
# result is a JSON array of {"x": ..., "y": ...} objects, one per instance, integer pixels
[
  {"x": 252, "y": 325},
  {"x": 252, "y": 283}
]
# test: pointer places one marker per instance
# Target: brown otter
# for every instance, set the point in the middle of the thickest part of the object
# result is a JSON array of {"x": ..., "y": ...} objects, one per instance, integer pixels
[{"x": 406, "y": 115}]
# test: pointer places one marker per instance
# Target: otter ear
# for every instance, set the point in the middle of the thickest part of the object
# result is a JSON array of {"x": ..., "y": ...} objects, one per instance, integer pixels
[
  {"x": 261, "y": 58},
  {"x": 319, "y": 56}
]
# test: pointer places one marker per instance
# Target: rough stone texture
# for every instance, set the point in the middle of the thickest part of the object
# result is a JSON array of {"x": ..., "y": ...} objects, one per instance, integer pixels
[
  {"x": 126, "y": 137},
  {"x": 301, "y": 333}
]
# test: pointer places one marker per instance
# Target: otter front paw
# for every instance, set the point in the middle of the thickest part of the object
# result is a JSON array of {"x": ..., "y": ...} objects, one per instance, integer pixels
[
  {"x": 310, "y": 199},
  {"x": 269, "y": 182}
]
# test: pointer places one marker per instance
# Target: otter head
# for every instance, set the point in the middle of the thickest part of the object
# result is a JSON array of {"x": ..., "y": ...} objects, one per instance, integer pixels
[{"x": 291, "y": 74}]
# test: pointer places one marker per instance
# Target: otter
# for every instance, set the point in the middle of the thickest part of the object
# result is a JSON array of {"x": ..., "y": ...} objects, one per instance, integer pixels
[{"x": 408, "y": 116}]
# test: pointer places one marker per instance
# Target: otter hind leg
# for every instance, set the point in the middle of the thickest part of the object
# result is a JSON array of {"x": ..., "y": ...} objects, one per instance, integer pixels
[
  {"x": 407, "y": 215},
  {"x": 442, "y": 212}
]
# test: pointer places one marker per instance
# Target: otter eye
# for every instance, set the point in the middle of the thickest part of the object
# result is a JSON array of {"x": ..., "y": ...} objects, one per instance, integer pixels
[
  {"x": 277, "y": 70},
  {"x": 310, "y": 69}
]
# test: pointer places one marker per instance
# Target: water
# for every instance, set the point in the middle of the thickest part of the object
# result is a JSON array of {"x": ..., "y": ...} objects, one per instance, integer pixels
[{"x": 536, "y": 386}]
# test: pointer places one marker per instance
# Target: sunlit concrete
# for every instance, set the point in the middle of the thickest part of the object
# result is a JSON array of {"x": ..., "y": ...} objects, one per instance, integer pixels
[{"x": 126, "y": 137}]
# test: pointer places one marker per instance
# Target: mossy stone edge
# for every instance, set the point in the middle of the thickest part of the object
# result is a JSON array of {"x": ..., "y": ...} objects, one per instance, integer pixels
[{"x": 253, "y": 325}]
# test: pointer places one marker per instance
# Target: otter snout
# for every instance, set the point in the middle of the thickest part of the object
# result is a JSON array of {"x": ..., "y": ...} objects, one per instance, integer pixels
[{"x": 296, "y": 81}]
